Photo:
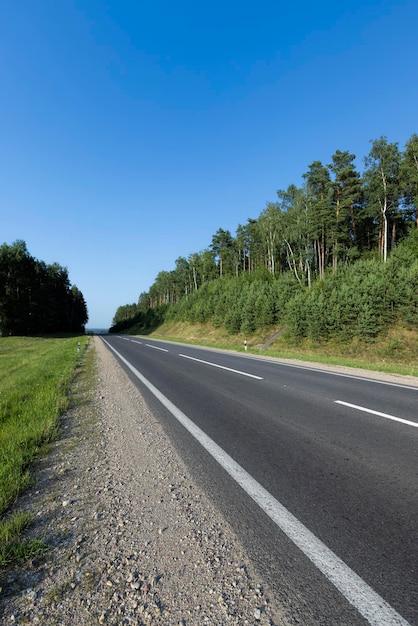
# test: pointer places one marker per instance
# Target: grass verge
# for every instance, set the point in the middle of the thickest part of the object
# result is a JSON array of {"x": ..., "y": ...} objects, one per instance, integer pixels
[
  {"x": 395, "y": 352},
  {"x": 35, "y": 382},
  {"x": 12, "y": 548}
]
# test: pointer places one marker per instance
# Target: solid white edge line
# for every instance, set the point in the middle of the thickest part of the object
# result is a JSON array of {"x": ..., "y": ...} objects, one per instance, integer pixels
[
  {"x": 385, "y": 415},
  {"x": 229, "y": 369},
  {"x": 367, "y": 602}
]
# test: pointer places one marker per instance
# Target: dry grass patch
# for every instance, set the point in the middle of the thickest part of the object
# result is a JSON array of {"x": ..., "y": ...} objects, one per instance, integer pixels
[{"x": 393, "y": 352}]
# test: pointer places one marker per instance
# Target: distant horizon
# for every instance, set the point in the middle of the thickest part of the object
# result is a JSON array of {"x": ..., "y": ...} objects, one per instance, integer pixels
[
  {"x": 89, "y": 329},
  {"x": 131, "y": 134}
]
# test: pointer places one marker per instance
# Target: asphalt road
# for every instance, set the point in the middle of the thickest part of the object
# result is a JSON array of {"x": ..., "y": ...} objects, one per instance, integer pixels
[{"x": 317, "y": 472}]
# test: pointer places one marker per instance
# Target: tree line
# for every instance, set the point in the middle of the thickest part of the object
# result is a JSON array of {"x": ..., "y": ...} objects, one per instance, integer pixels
[
  {"x": 336, "y": 219},
  {"x": 36, "y": 298}
]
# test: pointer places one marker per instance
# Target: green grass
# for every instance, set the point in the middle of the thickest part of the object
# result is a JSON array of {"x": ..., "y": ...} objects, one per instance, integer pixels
[
  {"x": 12, "y": 548},
  {"x": 395, "y": 352},
  {"x": 35, "y": 383}
]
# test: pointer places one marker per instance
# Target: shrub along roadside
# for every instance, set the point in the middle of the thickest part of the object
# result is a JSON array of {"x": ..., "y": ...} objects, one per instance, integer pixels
[
  {"x": 357, "y": 301},
  {"x": 35, "y": 381}
]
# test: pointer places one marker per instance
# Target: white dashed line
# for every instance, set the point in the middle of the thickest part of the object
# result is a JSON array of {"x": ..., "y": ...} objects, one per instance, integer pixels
[
  {"x": 367, "y": 602},
  {"x": 229, "y": 369},
  {"x": 385, "y": 415},
  {"x": 156, "y": 347}
]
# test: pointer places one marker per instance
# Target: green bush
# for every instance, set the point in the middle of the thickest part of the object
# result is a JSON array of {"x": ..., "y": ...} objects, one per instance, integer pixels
[{"x": 358, "y": 300}]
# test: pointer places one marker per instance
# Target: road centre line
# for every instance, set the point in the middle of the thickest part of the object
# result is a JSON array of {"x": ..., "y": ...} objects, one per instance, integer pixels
[
  {"x": 367, "y": 602},
  {"x": 222, "y": 367},
  {"x": 332, "y": 373},
  {"x": 385, "y": 415},
  {"x": 149, "y": 345},
  {"x": 133, "y": 341},
  {"x": 314, "y": 369}
]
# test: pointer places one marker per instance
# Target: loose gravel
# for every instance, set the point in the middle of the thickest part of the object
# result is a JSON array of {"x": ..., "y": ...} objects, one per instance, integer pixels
[{"x": 132, "y": 539}]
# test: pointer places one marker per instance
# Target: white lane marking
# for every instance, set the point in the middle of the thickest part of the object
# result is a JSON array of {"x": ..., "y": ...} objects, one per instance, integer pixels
[
  {"x": 367, "y": 602},
  {"x": 133, "y": 341},
  {"x": 156, "y": 347},
  {"x": 385, "y": 415},
  {"x": 221, "y": 366}
]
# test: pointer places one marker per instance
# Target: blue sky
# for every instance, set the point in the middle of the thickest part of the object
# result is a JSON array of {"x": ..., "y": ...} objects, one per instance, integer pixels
[{"x": 130, "y": 131}]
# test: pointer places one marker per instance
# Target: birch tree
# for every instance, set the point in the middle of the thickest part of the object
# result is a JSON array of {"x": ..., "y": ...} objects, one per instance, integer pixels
[
  {"x": 271, "y": 228},
  {"x": 409, "y": 176},
  {"x": 298, "y": 233},
  {"x": 382, "y": 187}
]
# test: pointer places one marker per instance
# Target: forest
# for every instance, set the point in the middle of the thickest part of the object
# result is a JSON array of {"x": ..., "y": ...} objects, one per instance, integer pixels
[
  {"x": 336, "y": 258},
  {"x": 36, "y": 298}
]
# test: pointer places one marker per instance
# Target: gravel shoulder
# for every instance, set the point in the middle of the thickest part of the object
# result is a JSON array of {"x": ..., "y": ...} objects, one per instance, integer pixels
[{"x": 132, "y": 539}]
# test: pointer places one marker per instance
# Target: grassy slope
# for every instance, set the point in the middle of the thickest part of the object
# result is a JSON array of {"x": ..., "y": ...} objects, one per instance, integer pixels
[{"x": 395, "y": 352}]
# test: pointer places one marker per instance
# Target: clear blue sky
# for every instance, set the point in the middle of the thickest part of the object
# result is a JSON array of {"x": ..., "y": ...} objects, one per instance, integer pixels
[{"x": 131, "y": 130}]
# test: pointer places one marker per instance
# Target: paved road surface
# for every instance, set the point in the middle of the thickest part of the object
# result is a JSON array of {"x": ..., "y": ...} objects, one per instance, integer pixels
[{"x": 317, "y": 472}]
